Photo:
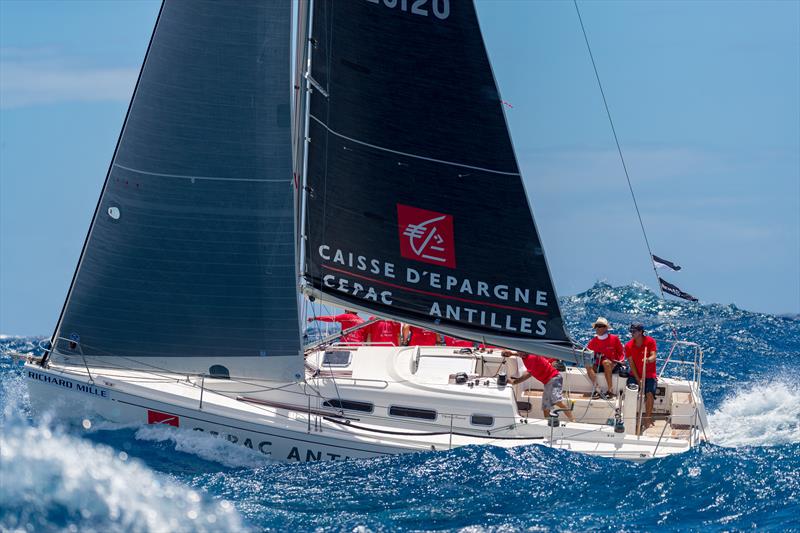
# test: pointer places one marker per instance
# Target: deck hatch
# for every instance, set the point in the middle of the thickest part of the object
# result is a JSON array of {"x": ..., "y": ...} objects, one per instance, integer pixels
[
  {"x": 482, "y": 420},
  {"x": 349, "y": 405},
  {"x": 412, "y": 412},
  {"x": 337, "y": 358}
]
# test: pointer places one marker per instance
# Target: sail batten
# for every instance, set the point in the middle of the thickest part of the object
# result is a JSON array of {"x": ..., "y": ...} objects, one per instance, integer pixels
[
  {"x": 405, "y": 154},
  {"x": 416, "y": 207},
  {"x": 190, "y": 256}
]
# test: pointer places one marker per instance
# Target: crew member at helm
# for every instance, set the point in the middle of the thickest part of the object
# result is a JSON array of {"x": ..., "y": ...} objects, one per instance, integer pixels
[{"x": 641, "y": 352}]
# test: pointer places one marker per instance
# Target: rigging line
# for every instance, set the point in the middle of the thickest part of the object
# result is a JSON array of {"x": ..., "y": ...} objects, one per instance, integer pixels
[
  {"x": 624, "y": 165},
  {"x": 619, "y": 149}
]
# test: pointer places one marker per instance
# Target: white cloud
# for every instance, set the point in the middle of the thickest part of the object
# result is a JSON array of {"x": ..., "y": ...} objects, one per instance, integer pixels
[{"x": 30, "y": 77}]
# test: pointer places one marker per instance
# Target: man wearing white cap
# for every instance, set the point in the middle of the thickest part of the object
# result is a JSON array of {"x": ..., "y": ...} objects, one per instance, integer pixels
[{"x": 608, "y": 353}]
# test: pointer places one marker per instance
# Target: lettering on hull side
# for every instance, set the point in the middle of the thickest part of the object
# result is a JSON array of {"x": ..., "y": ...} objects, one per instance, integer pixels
[
  {"x": 297, "y": 453},
  {"x": 85, "y": 388}
]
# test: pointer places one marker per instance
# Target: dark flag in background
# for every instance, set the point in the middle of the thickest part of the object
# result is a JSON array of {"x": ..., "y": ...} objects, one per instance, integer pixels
[
  {"x": 675, "y": 291},
  {"x": 663, "y": 263}
]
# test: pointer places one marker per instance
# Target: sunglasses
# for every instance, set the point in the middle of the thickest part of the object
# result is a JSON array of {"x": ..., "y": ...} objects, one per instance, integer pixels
[{"x": 600, "y": 327}]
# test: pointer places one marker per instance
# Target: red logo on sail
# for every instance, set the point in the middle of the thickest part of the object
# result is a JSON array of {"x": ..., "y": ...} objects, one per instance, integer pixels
[
  {"x": 156, "y": 417},
  {"x": 426, "y": 236}
]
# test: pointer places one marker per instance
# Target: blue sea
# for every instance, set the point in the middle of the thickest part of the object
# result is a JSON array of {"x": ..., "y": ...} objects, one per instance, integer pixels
[{"x": 152, "y": 478}]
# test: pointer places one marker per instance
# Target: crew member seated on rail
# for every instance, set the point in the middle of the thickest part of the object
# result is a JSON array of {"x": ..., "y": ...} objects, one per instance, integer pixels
[
  {"x": 384, "y": 332},
  {"x": 542, "y": 369},
  {"x": 608, "y": 354},
  {"x": 348, "y": 319},
  {"x": 641, "y": 352},
  {"x": 414, "y": 336}
]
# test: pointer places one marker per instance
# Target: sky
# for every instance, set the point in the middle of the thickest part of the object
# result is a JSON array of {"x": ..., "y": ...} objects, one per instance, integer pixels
[{"x": 705, "y": 98}]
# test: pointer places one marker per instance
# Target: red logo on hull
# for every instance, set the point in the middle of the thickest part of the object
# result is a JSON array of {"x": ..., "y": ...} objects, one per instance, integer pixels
[
  {"x": 156, "y": 417},
  {"x": 426, "y": 236}
]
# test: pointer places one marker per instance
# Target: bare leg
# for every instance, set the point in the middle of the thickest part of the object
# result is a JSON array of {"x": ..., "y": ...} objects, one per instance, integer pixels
[
  {"x": 592, "y": 375},
  {"x": 608, "y": 366},
  {"x": 567, "y": 411}
]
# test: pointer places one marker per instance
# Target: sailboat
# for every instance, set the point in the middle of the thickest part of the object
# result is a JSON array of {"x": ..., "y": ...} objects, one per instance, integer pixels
[{"x": 380, "y": 177}]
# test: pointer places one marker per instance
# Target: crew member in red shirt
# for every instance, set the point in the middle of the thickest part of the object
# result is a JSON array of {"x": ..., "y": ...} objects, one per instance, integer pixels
[
  {"x": 541, "y": 368},
  {"x": 641, "y": 352},
  {"x": 608, "y": 353},
  {"x": 452, "y": 341},
  {"x": 348, "y": 319},
  {"x": 414, "y": 336},
  {"x": 384, "y": 332}
]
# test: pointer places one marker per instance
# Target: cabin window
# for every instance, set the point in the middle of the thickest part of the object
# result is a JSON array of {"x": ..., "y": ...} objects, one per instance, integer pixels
[
  {"x": 412, "y": 412},
  {"x": 349, "y": 405},
  {"x": 219, "y": 372},
  {"x": 340, "y": 358},
  {"x": 482, "y": 420}
]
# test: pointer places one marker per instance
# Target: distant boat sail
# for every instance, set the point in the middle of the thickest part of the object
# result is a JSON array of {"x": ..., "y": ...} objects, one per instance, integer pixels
[{"x": 416, "y": 207}]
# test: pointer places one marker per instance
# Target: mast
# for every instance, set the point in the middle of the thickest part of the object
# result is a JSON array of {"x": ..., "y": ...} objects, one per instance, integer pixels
[{"x": 303, "y": 135}]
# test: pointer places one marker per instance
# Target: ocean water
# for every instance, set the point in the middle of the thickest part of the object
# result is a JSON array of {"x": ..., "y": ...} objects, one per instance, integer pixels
[{"x": 153, "y": 478}]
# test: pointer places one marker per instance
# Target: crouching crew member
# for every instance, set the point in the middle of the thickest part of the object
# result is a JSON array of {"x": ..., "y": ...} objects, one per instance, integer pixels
[
  {"x": 641, "y": 352},
  {"x": 541, "y": 368},
  {"x": 384, "y": 332},
  {"x": 608, "y": 354},
  {"x": 452, "y": 341},
  {"x": 414, "y": 336}
]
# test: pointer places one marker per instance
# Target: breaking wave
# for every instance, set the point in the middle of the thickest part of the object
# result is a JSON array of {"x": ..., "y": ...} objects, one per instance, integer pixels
[
  {"x": 55, "y": 481},
  {"x": 762, "y": 414},
  {"x": 203, "y": 445}
]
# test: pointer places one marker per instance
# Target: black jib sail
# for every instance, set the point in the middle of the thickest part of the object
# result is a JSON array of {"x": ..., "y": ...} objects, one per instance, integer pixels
[
  {"x": 190, "y": 255},
  {"x": 416, "y": 207}
]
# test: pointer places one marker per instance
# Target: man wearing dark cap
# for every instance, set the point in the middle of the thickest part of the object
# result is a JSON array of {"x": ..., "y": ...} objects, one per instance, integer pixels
[{"x": 641, "y": 352}]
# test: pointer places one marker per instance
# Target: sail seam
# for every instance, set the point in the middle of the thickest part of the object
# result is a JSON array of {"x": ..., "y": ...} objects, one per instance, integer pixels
[
  {"x": 406, "y": 154},
  {"x": 206, "y": 178}
]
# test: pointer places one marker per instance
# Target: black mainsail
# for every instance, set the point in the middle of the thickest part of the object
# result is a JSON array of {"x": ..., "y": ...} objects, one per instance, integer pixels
[
  {"x": 416, "y": 209},
  {"x": 189, "y": 260}
]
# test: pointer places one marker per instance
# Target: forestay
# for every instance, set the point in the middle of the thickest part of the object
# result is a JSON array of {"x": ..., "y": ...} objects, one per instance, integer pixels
[
  {"x": 416, "y": 207},
  {"x": 190, "y": 256}
]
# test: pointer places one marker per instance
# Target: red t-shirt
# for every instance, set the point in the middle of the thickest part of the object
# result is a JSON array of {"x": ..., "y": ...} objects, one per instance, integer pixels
[
  {"x": 636, "y": 354},
  {"x": 348, "y": 320},
  {"x": 452, "y": 341},
  {"x": 610, "y": 348},
  {"x": 539, "y": 367},
  {"x": 384, "y": 331},
  {"x": 422, "y": 337}
]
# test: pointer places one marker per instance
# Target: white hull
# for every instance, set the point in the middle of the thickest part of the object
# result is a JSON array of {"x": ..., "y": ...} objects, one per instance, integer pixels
[{"x": 290, "y": 421}]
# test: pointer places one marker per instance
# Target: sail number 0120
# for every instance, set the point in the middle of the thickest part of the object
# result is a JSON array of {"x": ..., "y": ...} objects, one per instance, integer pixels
[{"x": 440, "y": 8}]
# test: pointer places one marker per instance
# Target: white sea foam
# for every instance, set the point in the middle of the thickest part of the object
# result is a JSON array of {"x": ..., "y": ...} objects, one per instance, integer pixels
[
  {"x": 204, "y": 445},
  {"x": 52, "y": 480},
  {"x": 762, "y": 414}
]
